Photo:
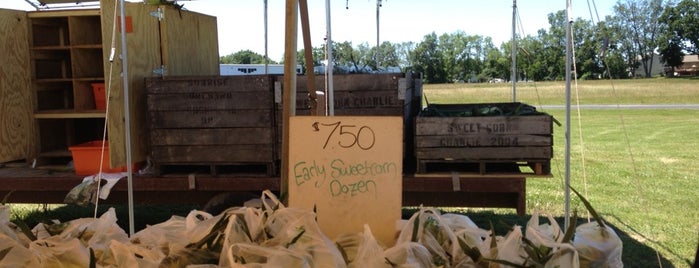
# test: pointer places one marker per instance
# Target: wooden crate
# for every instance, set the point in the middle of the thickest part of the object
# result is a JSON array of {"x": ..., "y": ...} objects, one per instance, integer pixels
[
  {"x": 390, "y": 94},
  {"x": 459, "y": 137},
  {"x": 213, "y": 121}
]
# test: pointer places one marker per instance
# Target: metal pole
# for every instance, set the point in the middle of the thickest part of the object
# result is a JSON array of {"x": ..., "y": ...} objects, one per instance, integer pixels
[
  {"x": 376, "y": 54},
  {"x": 567, "y": 120},
  {"x": 514, "y": 51},
  {"x": 127, "y": 116},
  {"x": 330, "y": 100},
  {"x": 266, "y": 54}
]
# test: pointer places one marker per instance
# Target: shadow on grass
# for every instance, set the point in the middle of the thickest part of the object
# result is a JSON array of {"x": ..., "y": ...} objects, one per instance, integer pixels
[
  {"x": 144, "y": 215},
  {"x": 635, "y": 253}
]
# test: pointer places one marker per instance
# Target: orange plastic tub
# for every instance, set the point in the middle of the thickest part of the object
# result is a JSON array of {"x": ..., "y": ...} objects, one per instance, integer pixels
[{"x": 86, "y": 158}]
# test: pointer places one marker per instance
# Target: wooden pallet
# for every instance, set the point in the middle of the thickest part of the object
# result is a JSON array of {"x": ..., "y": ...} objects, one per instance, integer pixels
[
  {"x": 466, "y": 191},
  {"x": 217, "y": 169}
]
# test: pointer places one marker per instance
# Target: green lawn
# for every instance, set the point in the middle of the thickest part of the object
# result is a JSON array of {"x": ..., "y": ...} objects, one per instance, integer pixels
[
  {"x": 633, "y": 91},
  {"x": 637, "y": 167}
]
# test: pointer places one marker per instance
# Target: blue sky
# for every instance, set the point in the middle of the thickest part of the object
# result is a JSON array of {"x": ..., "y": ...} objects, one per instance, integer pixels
[{"x": 241, "y": 23}]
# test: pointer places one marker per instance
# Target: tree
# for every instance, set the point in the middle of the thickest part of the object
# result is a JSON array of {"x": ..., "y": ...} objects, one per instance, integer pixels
[
  {"x": 403, "y": 51},
  {"x": 353, "y": 60},
  {"x": 683, "y": 22},
  {"x": 387, "y": 56},
  {"x": 244, "y": 57},
  {"x": 638, "y": 22},
  {"x": 682, "y": 34},
  {"x": 318, "y": 54},
  {"x": 428, "y": 60}
]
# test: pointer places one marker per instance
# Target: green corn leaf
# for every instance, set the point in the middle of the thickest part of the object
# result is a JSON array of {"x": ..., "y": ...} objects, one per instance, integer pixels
[
  {"x": 6, "y": 197},
  {"x": 592, "y": 211},
  {"x": 570, "y": 231},
  {"x": 416, "y": 228},
  {"x": 296, "y": 238},
  {"x": 25, "y": 229},
  {"x": 342, "y": 252},
  {"x": 93, "y": 259},
  {"x": 4, "y": 252}
]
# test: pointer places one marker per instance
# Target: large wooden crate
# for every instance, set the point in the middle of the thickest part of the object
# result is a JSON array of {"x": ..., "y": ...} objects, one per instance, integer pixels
[
  {"x": 390, "y": 94},
  {"x": 216, "y": 121},
  {"x": 486, "y": 138}
]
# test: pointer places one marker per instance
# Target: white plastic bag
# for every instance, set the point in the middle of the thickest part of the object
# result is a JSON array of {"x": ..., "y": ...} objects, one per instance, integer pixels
[
  {"x": 248, "y": 255},
  {"x": 130, "y": 255},
  {"x": 368, "y": 252},
  {"x": 409, "y": 255},
  {"x": 597, "y": 246},
  {"x": 58, "y": 252},
  {"x": 563, "y": 254},
  {"x": 165, "y": 237},
  {"x": 13, "y": 254},
  {"x": 426, "y": 227},
  {"x": 297, "y": 230},
  {"x": 10, "y": 229}
]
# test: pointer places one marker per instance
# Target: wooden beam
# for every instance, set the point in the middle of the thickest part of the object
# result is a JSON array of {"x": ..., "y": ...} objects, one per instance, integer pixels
[
  {"x": 289, "y": 89},
  {"x": 308, "y": 54}
]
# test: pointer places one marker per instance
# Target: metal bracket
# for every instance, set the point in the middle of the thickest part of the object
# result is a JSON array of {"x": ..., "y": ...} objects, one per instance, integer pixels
[
  {"x": 162, "y": 71},
  {"x": 158, "y": 14}
]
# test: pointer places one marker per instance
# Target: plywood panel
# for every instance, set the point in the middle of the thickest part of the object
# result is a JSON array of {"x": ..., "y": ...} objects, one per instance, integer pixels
[
  {"x": 190, "y": 42},
  {"x": 16, "y": 98},
  {"x": 143, "y": 56}
]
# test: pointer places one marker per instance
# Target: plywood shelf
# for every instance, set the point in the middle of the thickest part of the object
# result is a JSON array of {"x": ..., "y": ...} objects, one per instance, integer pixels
[{"x": 66, "y": 53}]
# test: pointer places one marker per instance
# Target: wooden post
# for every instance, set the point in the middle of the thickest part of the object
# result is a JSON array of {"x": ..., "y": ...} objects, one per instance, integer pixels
[
  {"x": 308, "y": 53},
  {"x": 289, "y": 108}
]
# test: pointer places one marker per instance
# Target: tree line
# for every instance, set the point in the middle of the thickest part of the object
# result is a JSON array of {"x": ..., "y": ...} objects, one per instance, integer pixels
[{"x": 622, "y": 45}]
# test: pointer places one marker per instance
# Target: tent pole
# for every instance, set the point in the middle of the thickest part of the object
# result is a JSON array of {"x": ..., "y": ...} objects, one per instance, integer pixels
[
  {"x": 514, "y": 51},
  {"x": 266, "y": 54},
  {"x": 127, "y": 121},
  {"x": 569, "y": 23},
  {"x": 330, "y": 100}
]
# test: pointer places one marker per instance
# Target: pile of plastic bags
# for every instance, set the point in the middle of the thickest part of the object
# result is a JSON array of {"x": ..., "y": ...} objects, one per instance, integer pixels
[{"x": 276, "y": 236}]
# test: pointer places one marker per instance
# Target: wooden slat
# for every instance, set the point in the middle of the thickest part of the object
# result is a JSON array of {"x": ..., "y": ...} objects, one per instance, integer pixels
[
  {"x": 197, "y": 101},
  {"x": 505, "y": 153},
  {"x": 211, "y": 119},
  {"x": 211, "y": 136},
  {"x": 189, "y": 84},
  {"x": 212, "y": 154},
  {"x": 534, "y": 124},
  {"x": 355, "y": 82},
  {"x": 482, "y": 140}
]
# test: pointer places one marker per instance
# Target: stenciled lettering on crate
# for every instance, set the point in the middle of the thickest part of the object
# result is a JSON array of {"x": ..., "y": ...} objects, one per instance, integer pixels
[
  {"x": 486, "y": 141},
  {"x": 212, "y": 120}
]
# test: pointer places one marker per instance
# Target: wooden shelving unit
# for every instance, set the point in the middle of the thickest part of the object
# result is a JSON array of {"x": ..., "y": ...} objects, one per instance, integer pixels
[
  {"x": 54, "y": 57},
  {"x": 66, "y": 57}
]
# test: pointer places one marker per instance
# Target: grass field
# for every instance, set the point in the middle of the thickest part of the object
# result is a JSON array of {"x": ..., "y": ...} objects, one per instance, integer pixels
[{"x": 637, "y": 167}]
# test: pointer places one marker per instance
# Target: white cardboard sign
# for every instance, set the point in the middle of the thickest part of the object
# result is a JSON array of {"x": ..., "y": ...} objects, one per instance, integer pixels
[{"x": 349, "y": 169}]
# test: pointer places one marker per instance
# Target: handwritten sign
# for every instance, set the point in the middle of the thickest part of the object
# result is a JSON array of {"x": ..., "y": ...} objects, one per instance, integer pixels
[{"x": 349, "y": 169}]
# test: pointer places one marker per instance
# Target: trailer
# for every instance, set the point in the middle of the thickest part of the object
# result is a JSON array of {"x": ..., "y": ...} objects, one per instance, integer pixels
[{"x": 255, "y": 69}]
